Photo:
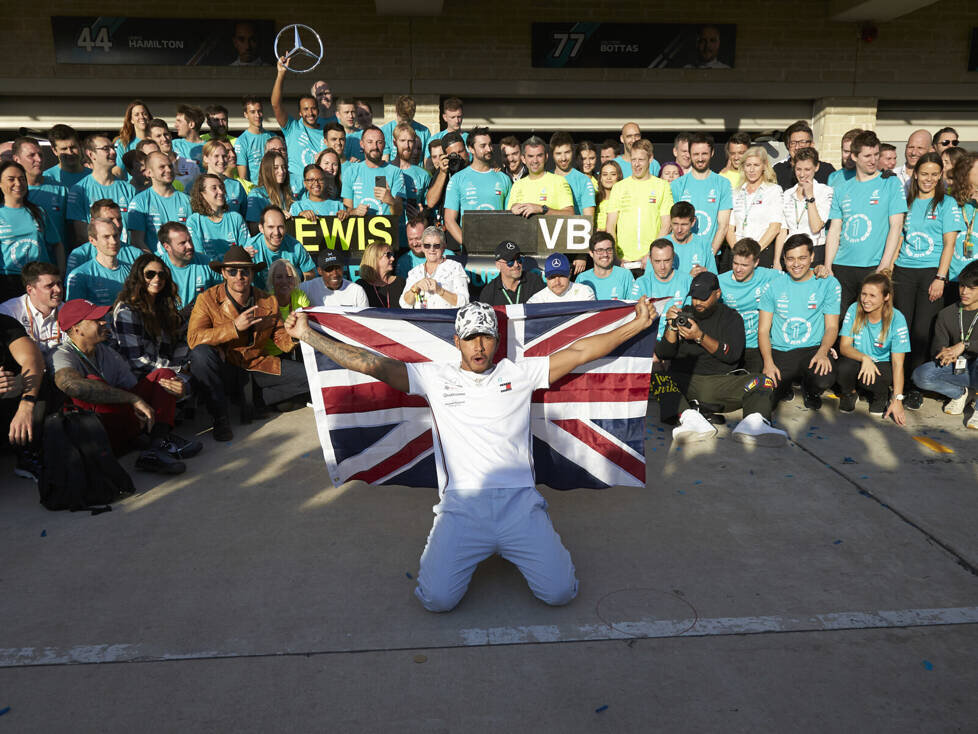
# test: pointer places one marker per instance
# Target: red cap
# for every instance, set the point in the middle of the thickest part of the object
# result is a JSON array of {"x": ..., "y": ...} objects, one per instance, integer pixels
[{"x": 78, "y": 309}]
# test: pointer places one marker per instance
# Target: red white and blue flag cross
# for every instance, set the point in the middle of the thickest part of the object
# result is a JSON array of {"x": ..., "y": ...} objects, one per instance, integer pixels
[{"x": 588, "y": 428}]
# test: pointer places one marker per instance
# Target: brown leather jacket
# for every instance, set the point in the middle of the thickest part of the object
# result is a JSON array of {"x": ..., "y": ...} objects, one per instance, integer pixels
[{"x": 212, "y": 322}]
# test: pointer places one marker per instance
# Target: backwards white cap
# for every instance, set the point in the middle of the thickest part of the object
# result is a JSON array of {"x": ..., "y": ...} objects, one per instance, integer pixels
[{"x": 476, "y": 318}]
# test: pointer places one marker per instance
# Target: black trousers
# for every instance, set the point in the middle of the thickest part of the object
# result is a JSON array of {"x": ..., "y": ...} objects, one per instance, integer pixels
[
  {"x": 793, "y": 365},
  {"x": 753, "y": 361},
  {"x": 910, "y": 298},
  {"x": 851, "y": 279},
  {"x": 753, "y": 393},
  {"x": 215, "y": 375},
  {"x": 848, "y": 377}
]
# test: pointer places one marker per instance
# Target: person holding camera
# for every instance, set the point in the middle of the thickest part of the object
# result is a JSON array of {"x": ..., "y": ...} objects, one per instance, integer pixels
[
  {"x": 454, "y": 159},
  {"x": 704, "y": 343}
]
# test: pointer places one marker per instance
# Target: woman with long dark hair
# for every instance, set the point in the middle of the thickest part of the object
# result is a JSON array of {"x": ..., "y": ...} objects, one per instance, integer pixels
[
  {"x": 921, "y": 268},
  {"x": 213, "y": 228},
  {"x": 873, "y": 344},
  {"x": 965, "y": 192},
  {"x": 587, "y": 160},
  {"x": 27, "y": 234},
  {"x": 273, "y": 188}
]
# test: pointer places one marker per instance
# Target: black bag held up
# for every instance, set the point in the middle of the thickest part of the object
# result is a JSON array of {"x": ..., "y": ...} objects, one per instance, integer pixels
[{"x": 79, "y": 470}]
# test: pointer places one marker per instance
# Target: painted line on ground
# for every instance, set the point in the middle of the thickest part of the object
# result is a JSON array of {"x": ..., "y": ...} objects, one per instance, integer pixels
[{"x": 14, "y": 657}]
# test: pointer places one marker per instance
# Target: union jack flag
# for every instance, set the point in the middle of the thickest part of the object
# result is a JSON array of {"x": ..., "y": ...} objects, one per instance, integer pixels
[{"x": 588, "y": 428}]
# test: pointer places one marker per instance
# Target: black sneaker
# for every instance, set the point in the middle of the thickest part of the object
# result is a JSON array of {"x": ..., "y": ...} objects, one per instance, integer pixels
[
  {"x": 159, "y": 462},
  {"x": 179, "y": 447},
  {"x": 847, "y": 403},
  {"x": 222, "y": 429},
  {"x": 914, "y": 400},
  {"x": 877, "y": 406},
  {"x": 28, "y": 464},
  {"x": 813, "y": 401}
]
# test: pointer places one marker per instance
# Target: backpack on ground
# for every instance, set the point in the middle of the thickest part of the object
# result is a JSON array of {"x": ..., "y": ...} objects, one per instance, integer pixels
[{"x": 78, "y": 470}]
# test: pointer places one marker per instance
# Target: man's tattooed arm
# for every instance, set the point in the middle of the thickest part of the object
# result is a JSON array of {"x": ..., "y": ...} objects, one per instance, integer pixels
[
  {"x": 75, "y": 385},
  {"x": 385, "y": 369}
]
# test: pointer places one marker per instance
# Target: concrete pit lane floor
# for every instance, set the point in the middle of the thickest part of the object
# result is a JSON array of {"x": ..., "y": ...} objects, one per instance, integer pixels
[{"x": 826, "y": 586}]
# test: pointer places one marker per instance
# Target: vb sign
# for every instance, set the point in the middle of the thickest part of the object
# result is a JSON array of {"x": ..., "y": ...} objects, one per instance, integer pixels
[
  {"x": 563, "y": 234},
  {"x": 536, "y": 235}
]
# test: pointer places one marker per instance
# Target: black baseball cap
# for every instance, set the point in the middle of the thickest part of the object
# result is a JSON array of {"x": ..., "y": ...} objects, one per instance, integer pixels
[
  {"x": 327, "y": 259},
  {"x": 703, "y": 285},
  {"x": 507, "y": 250}
]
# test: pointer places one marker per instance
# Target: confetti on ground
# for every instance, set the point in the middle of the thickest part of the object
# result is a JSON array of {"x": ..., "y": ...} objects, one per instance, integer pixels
[
  {"x": 698, "y": 481},
  {"x": 933, "y": 445},
  {"x": 789, "y": 476},
  {"x": 849, "y": 460},
  {"x": 7, "y": 708},
  {"x": 680, "y": 491},
  {"x": 421, "y": 658},
  {"x": 836, "y": 542},
  {"x": 928, "y": 665},
  {"x": 44, "y": 533},
  {"x": 599, "y": 709},
  {"x": 408, "y": 574},
  {"x": 864, "y": 476}
]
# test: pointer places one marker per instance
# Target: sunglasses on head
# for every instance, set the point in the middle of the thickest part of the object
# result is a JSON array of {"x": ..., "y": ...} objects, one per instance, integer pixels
[{"x": 235, "y": 272}]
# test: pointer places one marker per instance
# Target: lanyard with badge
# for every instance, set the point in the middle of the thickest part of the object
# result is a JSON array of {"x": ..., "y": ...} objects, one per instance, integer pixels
[
  {"x": 510, "y": 300},
  {"x": 969, "y": 244},
  {"x": 84, "y": 357},
  {"x": 961, "y": 363}
]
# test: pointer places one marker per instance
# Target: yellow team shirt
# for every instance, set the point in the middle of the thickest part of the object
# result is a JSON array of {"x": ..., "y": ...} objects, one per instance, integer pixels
[
  {"x": 601, "y": 216},
  {"x": 733, "y": 177},
  {"x": 640, "y": 206},
  {"x": 550, "y": 190}
]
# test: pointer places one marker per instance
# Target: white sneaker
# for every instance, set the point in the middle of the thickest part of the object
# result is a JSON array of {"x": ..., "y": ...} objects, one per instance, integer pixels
[
  {"x": 757, "y": 430},
  {"x": 692, "y": 427},
  {"x": 973, "y": 420},
  {"x": 956, "y": 406}
]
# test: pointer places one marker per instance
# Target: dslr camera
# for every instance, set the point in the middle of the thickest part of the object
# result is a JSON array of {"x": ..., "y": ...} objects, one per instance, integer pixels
[
  {"x": 455, "y": 163},
  {"x": 683, "y": 318}
]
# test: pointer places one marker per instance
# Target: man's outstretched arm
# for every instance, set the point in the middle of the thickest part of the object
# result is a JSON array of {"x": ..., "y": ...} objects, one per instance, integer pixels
[
  {"x": 594, "y": 347},
  {"x": 385, "y": 369}
]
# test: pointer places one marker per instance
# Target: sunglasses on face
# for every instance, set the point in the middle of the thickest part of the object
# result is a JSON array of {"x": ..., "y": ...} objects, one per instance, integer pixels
[
  {"x": 946, "y": 143},
  {"x": 514, "y": 262},
  {"x": 431, "y": 246},
  {"x": 235, "y": 272},
  {"x": 154, "y": 274},
  {"x": 388, "y": 254}
]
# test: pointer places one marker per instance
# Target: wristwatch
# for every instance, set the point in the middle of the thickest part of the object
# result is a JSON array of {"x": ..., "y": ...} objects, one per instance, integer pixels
[
  {"x": 899, "y": 397},
  {"x": 544, "y": 209},
  {"x": 699, "y": 339},
  {"x": 810, "y": 201},
  {"x": 940, "y": 277},
  {"x": 28, "y": 398}
]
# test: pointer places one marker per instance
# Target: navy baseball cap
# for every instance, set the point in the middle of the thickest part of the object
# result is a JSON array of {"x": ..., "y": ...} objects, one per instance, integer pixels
[{"x": 557, "y": 264}]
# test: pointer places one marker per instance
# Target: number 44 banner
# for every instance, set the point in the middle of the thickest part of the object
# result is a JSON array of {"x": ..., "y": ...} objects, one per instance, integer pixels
[{"x": 162, "y": 41}]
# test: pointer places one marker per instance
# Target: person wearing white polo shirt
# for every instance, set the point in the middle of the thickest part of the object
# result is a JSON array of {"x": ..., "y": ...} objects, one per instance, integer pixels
[
  {"x": 331, "y": 288},
  {"x": 37, "y": 310},
  {"x": 486, "y": 478},
  {"x": 559, "y": 286}
]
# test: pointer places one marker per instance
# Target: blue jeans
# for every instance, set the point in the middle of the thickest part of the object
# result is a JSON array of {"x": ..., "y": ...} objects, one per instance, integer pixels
[{"x": 931, "y": 376}]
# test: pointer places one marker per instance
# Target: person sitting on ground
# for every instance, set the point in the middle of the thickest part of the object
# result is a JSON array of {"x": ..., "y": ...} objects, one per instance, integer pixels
[
  {"x": 21, "y": 401},
  {"x": 560, "y": 288},
  {"x": 147, "y": 329},
  {"x": 954, "y": 370},
  {"x": 437, "y": 282},
  {"x": 607, "y": 280},
  {"x": 704, "y": 343},
  {"x": 213, "y": 227},
  {"x": 377, "y": 277},
  {"x": 798, "y": 322},
  {"x": 515, "y": 282},
  {"x": 331, "y": 288},
  {"x": 37, "y": 309},
  {"x": 96, "y": 377},
  {"x": 742, "y": 287},
  {"x": 873, "y": 348},
  {"x": 229, "y": 328}
]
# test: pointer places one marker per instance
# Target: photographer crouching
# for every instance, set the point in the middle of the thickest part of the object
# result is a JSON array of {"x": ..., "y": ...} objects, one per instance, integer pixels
[{"x": 704, "y": 342}]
